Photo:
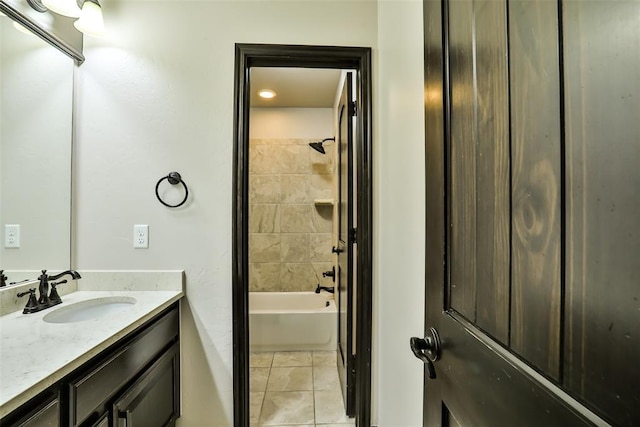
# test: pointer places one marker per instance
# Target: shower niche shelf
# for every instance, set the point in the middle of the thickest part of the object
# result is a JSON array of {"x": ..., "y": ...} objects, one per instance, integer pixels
[{"x": 323, "y": 202}]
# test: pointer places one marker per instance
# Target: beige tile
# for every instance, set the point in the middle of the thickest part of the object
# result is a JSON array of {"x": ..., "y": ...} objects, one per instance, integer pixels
[
  {"x": 325, "y": 378},
  {"x": 260, "y": 359},
  {"x": 255, "y": 141},
  {"x": 264, "y": 188},
  {"x": 279, "y": 141},
  {"x": 323, "y": 164},
  {"x": 264, "y": 277},
  {"x": 264, "y": 218},
  {"x": 321, "y": 220},
  {"x": 321, "y": 186},
  {"x": 297, "y": 219},
  {"x": 292, "y": 358},
  {"x": 330, "y": 407},
  {"x": 259, "y": 160},
  {"x": 294, "y": 247},
  {"x": 351, "y": 423},
  {"x": 289, "y": 407},
  {"x": 280, "y": 159},
  {"x": 290, "y": 379},
  {"x": 297, "y": 277},
  {"x": 320, "y": 247},
  {"x": 258, "y": 378},
  {"x": 325, "y": 358},
  {"x": 264, "y": 247},
  {"x": 255, "y": 405},
  {"x": 294, "y": 188}
]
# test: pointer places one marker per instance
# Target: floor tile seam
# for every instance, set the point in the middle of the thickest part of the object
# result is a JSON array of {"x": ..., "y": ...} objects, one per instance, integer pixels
[{"x": 293, "y": 390}]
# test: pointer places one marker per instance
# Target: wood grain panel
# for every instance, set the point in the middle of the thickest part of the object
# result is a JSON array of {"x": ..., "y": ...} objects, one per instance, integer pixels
[
  {"x": 463, "y": 160},
  {"x": 493, "y": 215},
  {"x": 536, "y": 181},
  {"x": 602, "y": 99}
]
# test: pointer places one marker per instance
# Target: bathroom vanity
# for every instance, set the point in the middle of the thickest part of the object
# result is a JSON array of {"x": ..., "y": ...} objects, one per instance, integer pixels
[{"x": 64, "y": 367}]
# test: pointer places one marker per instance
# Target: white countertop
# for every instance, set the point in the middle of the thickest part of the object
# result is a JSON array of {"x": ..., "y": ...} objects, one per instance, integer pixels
[{"x": 35, "y": 354}]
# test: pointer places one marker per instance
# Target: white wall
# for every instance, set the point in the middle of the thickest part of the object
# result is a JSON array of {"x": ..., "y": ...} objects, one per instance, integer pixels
[
  {"x": 157, "y": 96},
  {"x": 269, "y": 123},
  {"x": 399, "y": 213}
]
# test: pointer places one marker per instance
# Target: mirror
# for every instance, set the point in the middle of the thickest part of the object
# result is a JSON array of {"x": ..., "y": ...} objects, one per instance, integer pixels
[{"x": 36, "y": 104}]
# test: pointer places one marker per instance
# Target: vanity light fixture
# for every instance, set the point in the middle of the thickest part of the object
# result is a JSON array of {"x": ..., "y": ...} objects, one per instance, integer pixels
[
  {"x": 68, "y": 8},
  {"x": 35, "y": 12},
  {"x": 266, "y": 93},
  {"x": 18, "y": 26},
  {"x": 37, "y": 5},
  {"x": 91, "y": 22}
]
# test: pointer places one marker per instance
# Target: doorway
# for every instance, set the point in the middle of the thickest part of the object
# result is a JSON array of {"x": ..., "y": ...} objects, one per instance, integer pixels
[{"x": 358, "y": 60}]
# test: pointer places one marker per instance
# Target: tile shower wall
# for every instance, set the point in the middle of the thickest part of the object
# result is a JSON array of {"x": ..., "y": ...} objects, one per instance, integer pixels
[{"x": 289, "y": 234}]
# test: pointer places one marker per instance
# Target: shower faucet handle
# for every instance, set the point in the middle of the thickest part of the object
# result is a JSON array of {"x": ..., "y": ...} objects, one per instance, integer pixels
[
  {"x": 330, "y": 273},
  {"x": 336, "y": 250}
]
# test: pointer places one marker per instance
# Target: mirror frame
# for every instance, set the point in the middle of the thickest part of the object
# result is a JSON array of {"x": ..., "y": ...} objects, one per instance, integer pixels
[{"x": 41, "y": 32}]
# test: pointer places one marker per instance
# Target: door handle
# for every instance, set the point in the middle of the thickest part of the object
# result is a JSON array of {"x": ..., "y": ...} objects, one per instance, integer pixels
[{"x": 427, "y": 349}]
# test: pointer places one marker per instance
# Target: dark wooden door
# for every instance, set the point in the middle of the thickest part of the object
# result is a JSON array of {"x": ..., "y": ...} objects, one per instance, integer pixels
[
  {"x": 345, "y": 249},
  {"x": 532, "y": 122}
]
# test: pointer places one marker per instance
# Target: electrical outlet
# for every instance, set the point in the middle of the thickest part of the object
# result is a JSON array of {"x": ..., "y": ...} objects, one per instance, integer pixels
[
  {"x": 140, "y": 236},
  {"x": 12, "y": 235}
]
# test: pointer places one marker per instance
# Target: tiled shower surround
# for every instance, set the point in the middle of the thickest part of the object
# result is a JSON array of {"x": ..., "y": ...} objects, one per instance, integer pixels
[{"x": 289, "y": 235}]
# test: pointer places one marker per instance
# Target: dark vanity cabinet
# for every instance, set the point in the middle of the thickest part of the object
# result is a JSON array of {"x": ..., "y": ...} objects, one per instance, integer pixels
[
  {"x": 134, "y": 383},
  {"x": 151, "y": 400},
  {"x": 46, "y": 413}
]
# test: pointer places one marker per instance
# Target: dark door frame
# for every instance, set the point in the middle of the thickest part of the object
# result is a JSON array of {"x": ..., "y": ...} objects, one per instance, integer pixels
[{"x": 268, "y": 55}]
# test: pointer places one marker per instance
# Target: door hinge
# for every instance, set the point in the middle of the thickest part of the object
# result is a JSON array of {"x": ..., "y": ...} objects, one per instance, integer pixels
[
  {"x": 353, "y": 109},
  {"x": 353, "y": 235}
]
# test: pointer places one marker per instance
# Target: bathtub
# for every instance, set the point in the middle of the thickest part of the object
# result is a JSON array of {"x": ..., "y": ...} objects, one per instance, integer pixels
[{"x": 292, "y": 321}]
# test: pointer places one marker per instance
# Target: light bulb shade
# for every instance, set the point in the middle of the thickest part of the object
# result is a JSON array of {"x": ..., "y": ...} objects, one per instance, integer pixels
[
  {"x": 63, "y": 7},
  {"x": 91, "y": 22}
]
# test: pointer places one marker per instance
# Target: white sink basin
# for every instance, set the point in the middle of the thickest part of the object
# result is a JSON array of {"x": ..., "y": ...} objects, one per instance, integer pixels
[{"x": 89, "y": 309}]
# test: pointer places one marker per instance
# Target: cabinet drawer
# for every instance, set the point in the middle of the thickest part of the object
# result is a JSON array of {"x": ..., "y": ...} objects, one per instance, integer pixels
[
  {"x": 153, "y": 400},
  {"x": 46, "y": 414},
  {"x": 92, "y": 391}
]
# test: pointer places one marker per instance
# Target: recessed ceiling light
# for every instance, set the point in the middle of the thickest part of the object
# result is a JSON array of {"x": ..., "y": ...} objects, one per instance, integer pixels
[{"x": 266, "y": 94}]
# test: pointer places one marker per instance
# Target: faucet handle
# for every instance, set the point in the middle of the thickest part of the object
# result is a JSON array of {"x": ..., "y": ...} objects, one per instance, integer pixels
[
  {"x": 3, "y": 279},
  {"x": 31, "y": 291},
  {"x": 54, "y": 297},
  {"x": 32, "y": 304}
]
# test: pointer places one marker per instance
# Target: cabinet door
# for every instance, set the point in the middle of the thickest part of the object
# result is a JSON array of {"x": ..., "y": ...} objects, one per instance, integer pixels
[
  {"x": 46, "y": 416},
  {"x": 91, "y": 392},
  {"x": 103, "y": 422},
  {"x": 153, "y": 400}
]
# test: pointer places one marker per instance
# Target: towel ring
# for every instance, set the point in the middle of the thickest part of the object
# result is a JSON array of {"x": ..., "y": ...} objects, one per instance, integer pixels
[{"x": 174, "y": 178}]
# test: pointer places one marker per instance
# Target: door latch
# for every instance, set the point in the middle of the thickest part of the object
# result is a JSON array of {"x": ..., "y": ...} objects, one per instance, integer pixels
[{"x": 427, "y": 349}]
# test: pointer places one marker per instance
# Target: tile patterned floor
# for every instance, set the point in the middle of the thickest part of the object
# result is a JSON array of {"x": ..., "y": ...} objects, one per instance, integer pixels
[{"x": 296, "y": 389}]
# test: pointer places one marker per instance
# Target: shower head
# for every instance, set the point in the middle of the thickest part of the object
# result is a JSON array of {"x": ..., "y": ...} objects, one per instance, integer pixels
[{"x": 318, "y": 145}]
